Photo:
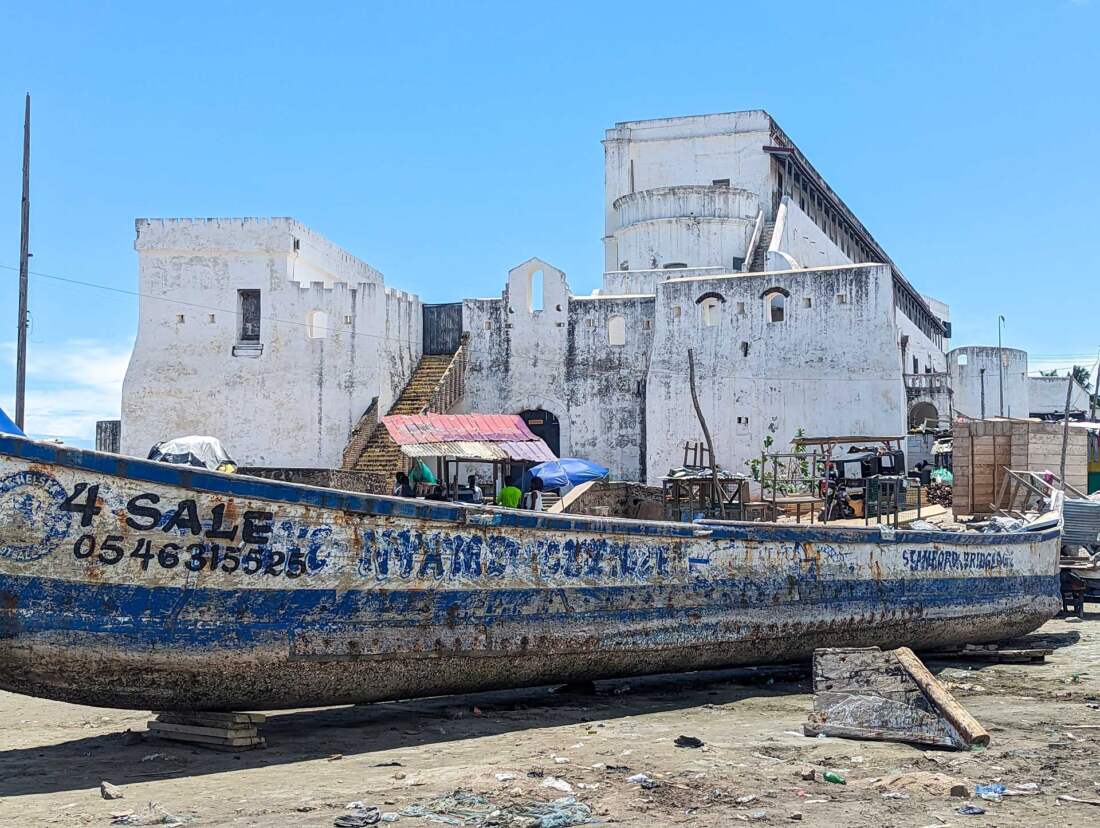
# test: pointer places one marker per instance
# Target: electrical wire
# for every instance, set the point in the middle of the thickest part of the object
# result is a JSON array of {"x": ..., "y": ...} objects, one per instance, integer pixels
[
  {"x": 200, "y": 306},
  {"x": 1071, "y": 359}
]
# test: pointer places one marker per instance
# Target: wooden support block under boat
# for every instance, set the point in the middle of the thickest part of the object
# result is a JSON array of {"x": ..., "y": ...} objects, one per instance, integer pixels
[
  {"x": 225, "y": 730},
  {"x": 864, "y": 693}
]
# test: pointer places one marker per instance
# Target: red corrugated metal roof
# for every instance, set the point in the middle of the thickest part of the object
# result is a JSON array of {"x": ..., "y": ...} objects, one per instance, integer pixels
[
  {"x": 406, "y": 429},
  {"x": 535, "y": 451}
]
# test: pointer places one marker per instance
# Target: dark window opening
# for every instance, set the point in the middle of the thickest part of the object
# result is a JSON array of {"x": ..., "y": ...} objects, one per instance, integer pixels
[
  {"x": 776, "y": 307},
  {"x": 249, "y": 311},
  {"x": 916, "y": 366},
  {"x": 720, "y": 182},
  {"x": 674, "y": 265}
]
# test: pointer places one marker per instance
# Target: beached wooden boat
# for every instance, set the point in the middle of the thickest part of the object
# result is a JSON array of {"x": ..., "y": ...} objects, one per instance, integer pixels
[{"x": 128, "y": 583}]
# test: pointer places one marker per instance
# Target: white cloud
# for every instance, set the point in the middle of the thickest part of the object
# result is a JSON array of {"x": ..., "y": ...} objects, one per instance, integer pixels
[{"x": 70, "y": 385}]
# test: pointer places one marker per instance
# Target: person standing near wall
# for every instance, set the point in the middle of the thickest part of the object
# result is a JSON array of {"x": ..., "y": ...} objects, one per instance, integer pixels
[
  {"x": 533, "y": 499},
  {"x": 509, "y": 496}
]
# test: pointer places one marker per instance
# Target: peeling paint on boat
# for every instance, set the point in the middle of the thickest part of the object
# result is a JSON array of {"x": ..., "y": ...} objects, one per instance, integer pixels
[{"x": 134, "y": 584}]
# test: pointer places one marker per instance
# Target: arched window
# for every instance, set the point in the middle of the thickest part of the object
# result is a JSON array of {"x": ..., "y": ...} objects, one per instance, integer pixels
[
  {"x": 616, "y": 331},
  {"x": 777, "y": 307},
  {"x": 710, "y": 306},
  {"x": 535, "y": 292},
  {"x": 775, "y": 304},
  {"x": 317, "y": 324},
  {"x": 710, "y": 311}
]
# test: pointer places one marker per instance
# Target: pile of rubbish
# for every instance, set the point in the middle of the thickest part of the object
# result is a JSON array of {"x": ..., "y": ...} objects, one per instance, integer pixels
[{"x": 463, "y": 807}]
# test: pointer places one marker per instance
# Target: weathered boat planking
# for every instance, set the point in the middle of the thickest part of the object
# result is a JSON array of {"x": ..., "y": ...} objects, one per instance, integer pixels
[{"x": 127, "y": 583}]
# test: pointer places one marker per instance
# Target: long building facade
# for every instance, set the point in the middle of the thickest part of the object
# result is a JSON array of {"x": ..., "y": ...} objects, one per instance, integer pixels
[{"x": 720, "y": 239}]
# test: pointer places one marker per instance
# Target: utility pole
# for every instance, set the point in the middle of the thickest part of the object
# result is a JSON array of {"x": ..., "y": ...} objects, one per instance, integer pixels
[
  {"x": 1001, "y": 364},
  {"x": 24, "y": 257},
  {"x": 1065, "y": 434},
  {"x": 1095, "y": 389}
]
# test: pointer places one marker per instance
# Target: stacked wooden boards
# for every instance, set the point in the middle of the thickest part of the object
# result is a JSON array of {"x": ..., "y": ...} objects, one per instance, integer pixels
[
  {"x": 228, "y": 731},
  {"x": 982, "y": 449}
]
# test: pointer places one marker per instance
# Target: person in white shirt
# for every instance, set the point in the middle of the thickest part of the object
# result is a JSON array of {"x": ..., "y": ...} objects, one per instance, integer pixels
[
  {"x": 476, "y": 495},
  {"x": 533, "y": 499}
]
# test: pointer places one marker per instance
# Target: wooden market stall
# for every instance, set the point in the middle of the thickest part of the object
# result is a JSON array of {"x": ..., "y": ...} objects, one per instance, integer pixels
[{"x": 502, "y": 441}]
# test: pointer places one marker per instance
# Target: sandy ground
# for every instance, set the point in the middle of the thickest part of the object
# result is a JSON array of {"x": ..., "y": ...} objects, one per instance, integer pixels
[{"x": 54, "y": 755}]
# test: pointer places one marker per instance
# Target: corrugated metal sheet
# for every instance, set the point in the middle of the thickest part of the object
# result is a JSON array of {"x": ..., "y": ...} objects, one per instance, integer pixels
[
  {"x": 533, "y": 450},
  {"x": 1081, "y": 521},
  {"x": 407, "y": 429}
]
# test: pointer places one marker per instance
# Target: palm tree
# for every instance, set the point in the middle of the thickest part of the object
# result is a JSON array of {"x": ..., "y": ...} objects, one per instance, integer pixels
[
  {"x": 1053, "y": 372},
  {"x": 1081, "y": 374}
]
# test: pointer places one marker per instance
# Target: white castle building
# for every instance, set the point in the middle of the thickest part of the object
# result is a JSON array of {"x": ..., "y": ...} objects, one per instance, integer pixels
[{"x": 720, "y": 237}]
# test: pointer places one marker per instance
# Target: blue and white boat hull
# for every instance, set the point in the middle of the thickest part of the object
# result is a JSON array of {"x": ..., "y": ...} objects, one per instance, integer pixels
[{"x": 126, "y": 583}]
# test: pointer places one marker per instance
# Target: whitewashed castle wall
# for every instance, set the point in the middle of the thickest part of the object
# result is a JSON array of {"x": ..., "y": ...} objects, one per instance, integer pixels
[
  {"x": 560, "y": 359},
  {"x": 295, "y": 403},
  {"x": 1047, "y": 395},
  {"x": 830, "y": 368},
  {"x": 965, "y": 366},
  {"x": 606, "y": 381},
  {"x": 804, "y": 242}
]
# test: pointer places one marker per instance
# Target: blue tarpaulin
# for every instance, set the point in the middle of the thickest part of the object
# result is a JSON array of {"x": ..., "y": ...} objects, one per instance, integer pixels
[
  {"x": 557, "y": 474},
  {"x": 8, "y": 427}
]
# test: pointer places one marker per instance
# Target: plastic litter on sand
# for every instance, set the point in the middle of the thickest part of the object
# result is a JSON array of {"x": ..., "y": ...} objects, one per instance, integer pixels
[
  {"x": 152, "y": 814},
  {"x": 465, "y": 808}
]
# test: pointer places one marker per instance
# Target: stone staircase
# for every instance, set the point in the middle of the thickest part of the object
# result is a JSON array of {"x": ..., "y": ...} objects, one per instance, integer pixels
[
  {"x": 381, "y": 456},
  {"x": 436, "y": 384},
  {"x": 760, "y": 254}
]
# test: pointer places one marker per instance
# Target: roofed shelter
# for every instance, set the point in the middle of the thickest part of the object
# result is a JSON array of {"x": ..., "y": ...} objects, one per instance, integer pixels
[{"x": 497, "y": 439}]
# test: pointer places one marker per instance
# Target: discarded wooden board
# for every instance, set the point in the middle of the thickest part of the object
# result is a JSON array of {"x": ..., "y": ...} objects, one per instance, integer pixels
[
  {"x": 865, "y": 693},
  {"x": 993, "y": 652},
  {"x": 237, "y": 731}
]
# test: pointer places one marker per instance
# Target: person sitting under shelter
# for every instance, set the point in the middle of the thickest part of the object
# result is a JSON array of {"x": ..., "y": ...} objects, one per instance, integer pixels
[
  {"x": 476, "y": 495},
  {"x": 402, "y": 487}
]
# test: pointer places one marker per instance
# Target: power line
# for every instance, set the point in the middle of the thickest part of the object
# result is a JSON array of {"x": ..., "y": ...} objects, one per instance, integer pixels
[{"x": 197, "y": 305}]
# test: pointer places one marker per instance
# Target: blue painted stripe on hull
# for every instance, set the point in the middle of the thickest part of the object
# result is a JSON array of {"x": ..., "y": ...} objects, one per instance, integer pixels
[
  {"x": 252, "y": 487},
  {"x": 187, "y": 618}
]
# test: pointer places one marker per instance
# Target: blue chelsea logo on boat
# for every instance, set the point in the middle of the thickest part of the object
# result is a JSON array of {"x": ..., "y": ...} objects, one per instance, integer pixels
[{"x": 29, "y": 506}]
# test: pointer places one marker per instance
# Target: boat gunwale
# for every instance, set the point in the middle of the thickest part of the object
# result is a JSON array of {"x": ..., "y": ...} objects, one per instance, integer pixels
[{"x": 239, "y": 485}]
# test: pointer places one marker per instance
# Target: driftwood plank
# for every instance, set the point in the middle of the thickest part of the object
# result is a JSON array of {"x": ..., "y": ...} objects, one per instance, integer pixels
[{"x": 967, "y": 726}]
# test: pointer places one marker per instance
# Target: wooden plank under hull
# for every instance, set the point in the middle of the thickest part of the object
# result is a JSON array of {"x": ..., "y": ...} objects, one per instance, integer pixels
[{"x": 134, "y": 584}]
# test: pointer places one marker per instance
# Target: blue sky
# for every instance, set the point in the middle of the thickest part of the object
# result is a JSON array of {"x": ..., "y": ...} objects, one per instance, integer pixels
[{"x": 445, "y": 142}]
